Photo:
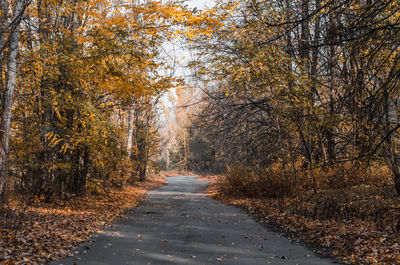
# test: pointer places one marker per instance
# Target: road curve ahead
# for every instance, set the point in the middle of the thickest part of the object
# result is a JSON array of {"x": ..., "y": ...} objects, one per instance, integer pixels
[{"x": 179, "y": 225}]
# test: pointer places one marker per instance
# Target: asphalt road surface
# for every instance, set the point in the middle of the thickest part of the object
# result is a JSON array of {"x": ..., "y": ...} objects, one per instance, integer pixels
[{"x": 179, "y": 225}]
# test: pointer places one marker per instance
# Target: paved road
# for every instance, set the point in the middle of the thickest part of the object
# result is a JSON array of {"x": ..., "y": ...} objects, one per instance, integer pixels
[{"x": 179, "y": 225}]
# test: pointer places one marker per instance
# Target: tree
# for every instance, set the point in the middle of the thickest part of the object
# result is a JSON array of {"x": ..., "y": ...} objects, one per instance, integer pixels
[
  {"x": 83, "y": 65},
  {"x": 9, "y": 84},
  {"x": 303, "y": 83}
]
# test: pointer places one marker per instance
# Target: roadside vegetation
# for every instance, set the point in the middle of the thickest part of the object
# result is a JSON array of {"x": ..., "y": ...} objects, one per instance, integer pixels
[
  {"x": 39, "y": 232},
  {"x": 80, "y": 89},
  {"x": 299, "y": 115},
  {"x": 294, "y": 103},
  {"x": 356, "y": 224}
]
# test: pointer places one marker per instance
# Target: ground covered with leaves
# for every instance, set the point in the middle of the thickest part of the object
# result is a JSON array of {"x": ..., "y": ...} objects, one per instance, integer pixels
[
  {"x": 357, "y": 225},
  {"x": 39, "y": 232}
]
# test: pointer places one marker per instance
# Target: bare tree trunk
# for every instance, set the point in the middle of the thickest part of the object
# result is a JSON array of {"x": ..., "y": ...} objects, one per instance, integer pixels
[
  {"x": 316, "y": 41},
  {"x": 9, "y": 94},
  {"x": 185, "y": 151},
  {"x": 131, "y": 121},
  {"x": 393, "y": 162},
  {"x": 143, "y": 172},
  {"x": 305, "y": 56},
  {"x": 392, "y": 156},
  {"x": 333, "y": 73},
  {"x": 292, "y": 159},
  {"x": 305, "y": 34},
  {"x": 3, "y": 25}
]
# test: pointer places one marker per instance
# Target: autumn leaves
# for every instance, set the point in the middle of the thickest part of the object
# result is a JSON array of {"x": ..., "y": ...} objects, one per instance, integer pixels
[{"x": 83, "y": 68}]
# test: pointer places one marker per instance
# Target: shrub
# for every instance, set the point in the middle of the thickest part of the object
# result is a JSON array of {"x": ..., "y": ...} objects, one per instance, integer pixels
[
  {"x": 273, "y": 182},
  {"x": 269, "y": 183}
]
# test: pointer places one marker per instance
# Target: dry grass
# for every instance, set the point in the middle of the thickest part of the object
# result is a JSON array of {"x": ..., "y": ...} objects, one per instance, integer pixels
[
  {"x": 274, "y": 182},
  {"x": 44, "y": 232}
]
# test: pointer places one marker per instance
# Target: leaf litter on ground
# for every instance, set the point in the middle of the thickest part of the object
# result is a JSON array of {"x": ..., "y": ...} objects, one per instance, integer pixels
[
  {"x": 44, "y": 232},
  {"x": 352, "y": 240}
]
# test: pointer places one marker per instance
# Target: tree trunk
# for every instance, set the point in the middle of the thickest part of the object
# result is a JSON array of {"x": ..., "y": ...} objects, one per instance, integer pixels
[
  {"x": 142, "y": 151},
  {"x": 333, "y": 82},
  {"x": 131, "y": 121},
  {"x": 305, "y": 35},
  {"x": 392, "y": 157},
  {"x": 394, "y": 164},
  {"x": 9, "y": 94},
  {"x": 185, "y": 160},
  {"x": 3, "y": 25}
]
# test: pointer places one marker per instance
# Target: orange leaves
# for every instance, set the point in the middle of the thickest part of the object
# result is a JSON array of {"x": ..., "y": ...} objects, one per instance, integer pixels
[
  {"x": 52, "y": 231},
  {"x": 353, "y": 240},
  {"x": 117, "y": 41}
]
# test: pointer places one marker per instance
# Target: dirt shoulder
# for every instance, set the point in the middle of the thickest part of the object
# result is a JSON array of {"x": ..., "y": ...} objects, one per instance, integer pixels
[
  {"x": 43, "y": 232},
  {"x": 352, "y": 241}
]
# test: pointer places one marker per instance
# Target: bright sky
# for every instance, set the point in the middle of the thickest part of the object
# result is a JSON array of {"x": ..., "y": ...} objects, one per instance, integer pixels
[
  {"x": 177, "y": 51},
  {"x": 199, "y": 3},
  {"x": 178, "y": 54}
]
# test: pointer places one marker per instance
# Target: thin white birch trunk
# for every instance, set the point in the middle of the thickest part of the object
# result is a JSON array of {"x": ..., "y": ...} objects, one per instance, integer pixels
[
  {"x": 9, "y": 94},
  {"x": 130, "y": 131}
]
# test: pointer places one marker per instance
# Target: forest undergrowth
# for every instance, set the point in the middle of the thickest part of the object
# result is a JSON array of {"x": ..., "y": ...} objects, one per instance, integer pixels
[
  {"x": 37, "y": 232},
  {"x": 355, "y": 220}
]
